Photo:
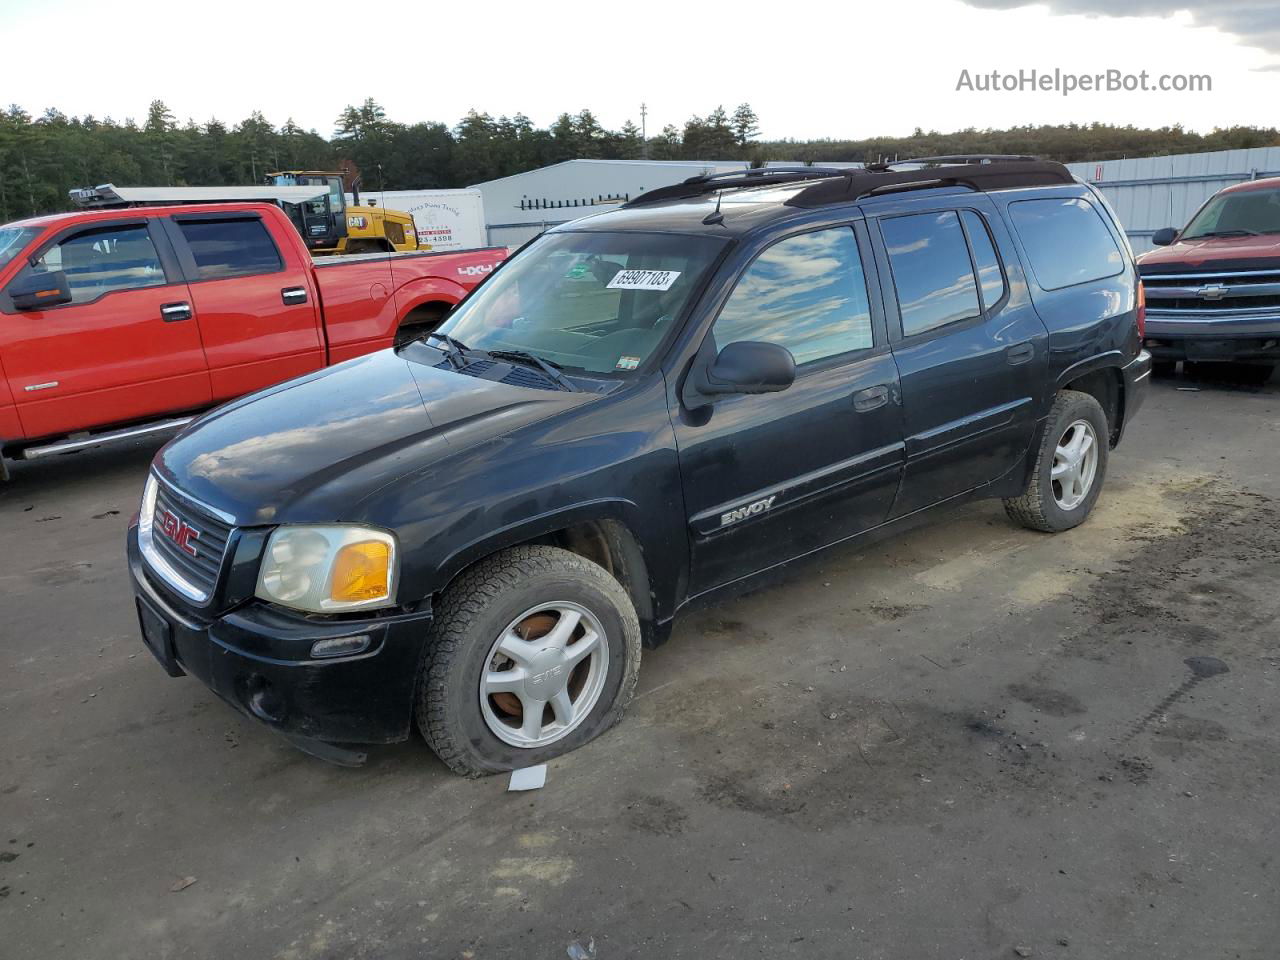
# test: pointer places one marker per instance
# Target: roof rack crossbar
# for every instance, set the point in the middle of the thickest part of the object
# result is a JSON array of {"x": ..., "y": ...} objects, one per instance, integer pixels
[
  {"x": 729, "y": 179},
  {"x": 993, "y": 175}
]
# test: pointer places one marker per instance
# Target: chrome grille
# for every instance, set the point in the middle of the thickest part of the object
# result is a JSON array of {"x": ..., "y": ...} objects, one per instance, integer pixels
[
  {"x": 1219, "y": 294},
  {"x": 186, "y": 544}
]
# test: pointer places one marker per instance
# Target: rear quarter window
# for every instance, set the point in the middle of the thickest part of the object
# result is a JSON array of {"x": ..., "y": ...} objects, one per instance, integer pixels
[
  {"x": 230, "y": 248},
  {"x": 1066, "y": 241}
]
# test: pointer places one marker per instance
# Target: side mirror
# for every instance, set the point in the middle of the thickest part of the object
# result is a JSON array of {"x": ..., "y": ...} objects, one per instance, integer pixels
[
  {"x": 35, "y": 291},
  {"x": 1162, "y": 238},
  {"x": 743, "y": 367}
]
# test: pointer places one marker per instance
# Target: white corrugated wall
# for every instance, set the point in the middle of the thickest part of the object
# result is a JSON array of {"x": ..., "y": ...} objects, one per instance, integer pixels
[{"x": 1149, "y": 193}]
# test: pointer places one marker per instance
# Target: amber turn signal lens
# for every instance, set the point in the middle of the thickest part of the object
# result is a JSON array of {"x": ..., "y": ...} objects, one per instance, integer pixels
[{"x": 361, "y": 571}]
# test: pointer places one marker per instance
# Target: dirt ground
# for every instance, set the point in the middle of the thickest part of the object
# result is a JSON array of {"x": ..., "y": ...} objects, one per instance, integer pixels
[{"x": 971, "y": 742}]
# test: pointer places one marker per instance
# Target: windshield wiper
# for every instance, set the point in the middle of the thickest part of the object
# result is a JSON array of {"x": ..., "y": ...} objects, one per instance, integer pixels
[
  {"x": 1225, "y": 233},
  {"x": 455, "y": 350},
  {"x": 531, "y": 359}
]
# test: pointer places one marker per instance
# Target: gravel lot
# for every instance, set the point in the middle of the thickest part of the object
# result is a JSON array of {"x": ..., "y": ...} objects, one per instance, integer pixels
[{"x": 974, "y": 741}]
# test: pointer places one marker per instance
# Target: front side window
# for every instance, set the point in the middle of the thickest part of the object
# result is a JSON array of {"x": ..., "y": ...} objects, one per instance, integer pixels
[
  {"x": 806, "y": 293},
  {"x": 1066, "y": 241},
  {"x": 230, "y": 248},
  {"x": 586, "y": 301},
  {"x": 1240, "y": 214},
  {"x": 13, "y": 239},
  {"x": 102, "y": 261},
  {"x": 932, "y": 271}
]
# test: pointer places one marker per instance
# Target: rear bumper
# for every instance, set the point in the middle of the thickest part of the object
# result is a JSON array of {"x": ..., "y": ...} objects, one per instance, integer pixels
[
  {"x": 1137, "y": 381},
  {"x": 1210, "y": 336},
  {"x": 258, "y": 659}
]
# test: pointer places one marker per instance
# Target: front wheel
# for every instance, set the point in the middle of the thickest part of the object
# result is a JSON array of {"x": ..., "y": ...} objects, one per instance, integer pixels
[
  {"x": 534, "y": 652},
  {"x": 1069, "y": 469}
]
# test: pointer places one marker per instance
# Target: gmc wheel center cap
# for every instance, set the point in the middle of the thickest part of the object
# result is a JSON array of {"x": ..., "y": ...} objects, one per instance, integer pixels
[{"x": 548, "y": 674}]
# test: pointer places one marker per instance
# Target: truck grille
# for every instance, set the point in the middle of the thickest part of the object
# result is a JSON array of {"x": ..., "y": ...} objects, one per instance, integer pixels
[
  {"x": 187, "y": 545},
  {"x": 1221, "y": 294}
]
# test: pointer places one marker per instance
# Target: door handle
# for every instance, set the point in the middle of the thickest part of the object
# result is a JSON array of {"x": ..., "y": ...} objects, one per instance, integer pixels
[
  {"x": 293, "y": 295},
  {"x": 870, "y": 398},
  {"x": 174, "y": 312},
  {"x": 1020, "y": 353}
]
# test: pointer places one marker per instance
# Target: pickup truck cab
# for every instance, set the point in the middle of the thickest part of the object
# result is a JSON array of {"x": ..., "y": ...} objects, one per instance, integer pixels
[
  {"x": 1214, "y": 288},
  {"x": 117, "y": 322},
  {"x": 640, "y": 411}
]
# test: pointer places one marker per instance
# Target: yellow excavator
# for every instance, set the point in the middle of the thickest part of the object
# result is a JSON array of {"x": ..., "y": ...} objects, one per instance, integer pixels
[{"x": 336, "y": 228}]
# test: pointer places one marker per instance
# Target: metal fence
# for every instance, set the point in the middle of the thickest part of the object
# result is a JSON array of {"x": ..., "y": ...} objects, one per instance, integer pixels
[{"x": 1149, "y": 193}]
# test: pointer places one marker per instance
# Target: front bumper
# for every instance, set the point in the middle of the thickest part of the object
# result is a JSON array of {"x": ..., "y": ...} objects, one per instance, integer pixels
[
  {"x": 258, "y": 659},
  {"x": 1213, "y": 336}
]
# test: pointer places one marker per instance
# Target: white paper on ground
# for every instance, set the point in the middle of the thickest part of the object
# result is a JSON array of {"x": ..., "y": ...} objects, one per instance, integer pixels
[{"x": 528, "y": 778}]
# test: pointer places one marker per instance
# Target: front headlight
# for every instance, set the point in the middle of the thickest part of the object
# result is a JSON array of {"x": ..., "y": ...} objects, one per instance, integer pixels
[{"x": 328, "y": 569}]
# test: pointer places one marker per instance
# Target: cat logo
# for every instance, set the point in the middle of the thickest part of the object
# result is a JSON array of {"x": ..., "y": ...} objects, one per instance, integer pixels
[{"x": 750, "y": 510}]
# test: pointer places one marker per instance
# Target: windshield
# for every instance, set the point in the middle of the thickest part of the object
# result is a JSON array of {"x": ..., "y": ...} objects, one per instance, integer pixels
[
  {"x": 596, "y": 302},
  {"x": 1237, "y": 214},
  {"x": 13, "y": 240}
]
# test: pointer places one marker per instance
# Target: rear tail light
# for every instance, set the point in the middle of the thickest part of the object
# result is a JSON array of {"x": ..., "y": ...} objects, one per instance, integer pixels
[{"x": 1142, "y": 310}]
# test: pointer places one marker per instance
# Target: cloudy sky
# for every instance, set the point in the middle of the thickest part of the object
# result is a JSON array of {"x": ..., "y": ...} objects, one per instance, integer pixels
[{"x": 857, "y": 69}]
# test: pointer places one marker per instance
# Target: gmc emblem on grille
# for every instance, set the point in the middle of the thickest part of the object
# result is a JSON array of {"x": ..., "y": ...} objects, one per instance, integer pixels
[
  {"x": 180, "y": 532},
  {"x": 1214, "y": 291}
]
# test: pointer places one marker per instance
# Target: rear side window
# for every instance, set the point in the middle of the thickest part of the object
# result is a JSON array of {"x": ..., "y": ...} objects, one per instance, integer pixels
[
  {"x": 806, "y": 293},
  {"x": 990, "y": 276},
  {"x": 102, "y": 261},
  {"x": 230, "y": 248},
  {"x": 932, "y": 271},
  {"x": 1066, "y": 241}
]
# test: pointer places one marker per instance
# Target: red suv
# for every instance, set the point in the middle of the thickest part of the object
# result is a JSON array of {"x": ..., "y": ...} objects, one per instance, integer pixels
[{"x": 1213, "y": 291}]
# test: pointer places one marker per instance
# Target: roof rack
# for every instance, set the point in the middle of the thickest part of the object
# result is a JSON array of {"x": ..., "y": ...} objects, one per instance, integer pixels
[
  {"x": 993, "y": 174},
  {"x": 108, "y": 195},
  {"x": 955, "y": 159},
  {"x": 732, "y": 179}
]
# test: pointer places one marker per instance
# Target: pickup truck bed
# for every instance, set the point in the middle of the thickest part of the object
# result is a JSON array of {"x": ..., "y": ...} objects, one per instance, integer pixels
[{"x": 150, "y": 314}]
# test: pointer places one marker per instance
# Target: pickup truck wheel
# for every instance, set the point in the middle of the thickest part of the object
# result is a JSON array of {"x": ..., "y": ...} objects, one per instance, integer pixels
[
  {"x": 534, "y": 652},
  {"x": 1069, "y": 469}
]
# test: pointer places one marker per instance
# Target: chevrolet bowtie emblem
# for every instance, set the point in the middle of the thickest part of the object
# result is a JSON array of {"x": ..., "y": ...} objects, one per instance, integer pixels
[{"x": 1213, "y": 291}]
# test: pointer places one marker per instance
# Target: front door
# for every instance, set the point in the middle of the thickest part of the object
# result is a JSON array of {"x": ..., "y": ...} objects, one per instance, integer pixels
[
  {"x": 253, "y": 301},
  {"x": 125, "y": 348},
  {"x": 768, "y": 478},
  {"x": 970, "y": 348}
]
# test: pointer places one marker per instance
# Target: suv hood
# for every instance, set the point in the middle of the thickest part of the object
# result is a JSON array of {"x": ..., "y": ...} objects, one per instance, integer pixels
[
  {"x": 1214, "y": 253},
  {"x": 311, "y": 449}
]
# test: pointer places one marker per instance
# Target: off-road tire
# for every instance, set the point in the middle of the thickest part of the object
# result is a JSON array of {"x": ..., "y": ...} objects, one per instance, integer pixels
[
  {"x": 1036, "y": 508},
  {"x": 469, "y": 617}
]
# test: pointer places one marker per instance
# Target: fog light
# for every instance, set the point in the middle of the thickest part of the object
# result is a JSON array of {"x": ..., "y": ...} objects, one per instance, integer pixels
[{"x": 339, "y": 647}]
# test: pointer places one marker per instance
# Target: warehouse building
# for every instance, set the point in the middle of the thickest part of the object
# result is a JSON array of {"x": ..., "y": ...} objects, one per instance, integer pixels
[
  {"x": 521, "y": 206},
  {"x": 1149, "y": 193}
]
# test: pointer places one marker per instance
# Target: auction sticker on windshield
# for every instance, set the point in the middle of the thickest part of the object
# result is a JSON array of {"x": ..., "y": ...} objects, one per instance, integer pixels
[{"x": 644, "y": 279}]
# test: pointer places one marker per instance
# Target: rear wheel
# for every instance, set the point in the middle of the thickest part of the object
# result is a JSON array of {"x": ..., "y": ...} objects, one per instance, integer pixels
[
  {"x": 534, "y": 652},
  {"x": 1069, "y": 469},
  {"x": 1164, "y": 368}
]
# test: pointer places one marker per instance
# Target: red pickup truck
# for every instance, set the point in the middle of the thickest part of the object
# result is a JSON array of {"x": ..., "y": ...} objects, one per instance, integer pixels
[
  {"x": 120, "y": 322},
  {"x": 1213, "y": 290}
]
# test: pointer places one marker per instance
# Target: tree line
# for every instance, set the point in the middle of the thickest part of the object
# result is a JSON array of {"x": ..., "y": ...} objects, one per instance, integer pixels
[{"x": 43, "y": 157}]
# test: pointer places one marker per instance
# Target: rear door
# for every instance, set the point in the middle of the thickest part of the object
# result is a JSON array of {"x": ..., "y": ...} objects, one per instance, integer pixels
[
  {"x": 254, "y": 300},
  {"x": 969, "y": 346},
  {"x": 125, "y": 348},
  {"x": 771, "y": 477}
]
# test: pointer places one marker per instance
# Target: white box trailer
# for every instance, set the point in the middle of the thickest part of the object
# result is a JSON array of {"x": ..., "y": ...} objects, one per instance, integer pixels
[{"x": 445, "y": 219}]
